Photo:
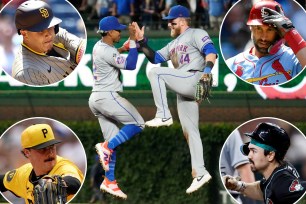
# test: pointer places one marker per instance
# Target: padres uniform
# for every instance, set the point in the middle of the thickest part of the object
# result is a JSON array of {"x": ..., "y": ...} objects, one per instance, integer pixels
[
  {"x": 268, "y": 70},
  {"x": 105, "y": 102},
  {"x": 21, "y": 181},
  {"x": 186, "y": 54},
  {"x": 283, "y": 186},
  {"x": 35, "y": 68}
]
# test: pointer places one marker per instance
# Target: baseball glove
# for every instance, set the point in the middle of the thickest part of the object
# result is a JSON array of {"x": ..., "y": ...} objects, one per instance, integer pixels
[
  {"x": 50, "y": 190},
  {"x": 203, "y": 88}
]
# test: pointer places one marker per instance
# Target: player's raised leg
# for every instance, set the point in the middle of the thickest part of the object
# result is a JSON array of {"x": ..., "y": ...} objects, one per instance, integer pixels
[
  {"x": 188, "y": 111},
  {"x": 178, "y": 81}
]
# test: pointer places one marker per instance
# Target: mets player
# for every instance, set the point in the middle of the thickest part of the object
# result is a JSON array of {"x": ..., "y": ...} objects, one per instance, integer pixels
[
  {"x": 192, "y": 54},
  {"x": 48, "y": 53},
  {"x": 105, "y": 102},
  {"x": 38, "y": 145},
  {"x": 281, "y": 182},
  {"x": 270, "y": 62}
]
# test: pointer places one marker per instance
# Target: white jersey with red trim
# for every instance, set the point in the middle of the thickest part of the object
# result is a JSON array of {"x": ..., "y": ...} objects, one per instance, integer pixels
[{"x": 268, "y": 70}]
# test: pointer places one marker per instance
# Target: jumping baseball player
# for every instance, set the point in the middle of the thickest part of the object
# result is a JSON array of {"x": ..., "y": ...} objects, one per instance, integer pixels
[
  {"x": 48, "y": 53},
  {"x": 270, "y": 62},
  {"x": 106, "y": 103},
  {"x": 193, "y": 56},
  {"x": 38, "y": 145},
  {"x": 281, "y": 182}
]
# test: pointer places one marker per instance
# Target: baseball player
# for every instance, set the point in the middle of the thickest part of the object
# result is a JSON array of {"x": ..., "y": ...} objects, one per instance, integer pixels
[
  {"x": 193, "y": 55},
  {"x": 234, "y": 163},
  {"x": 48, "y": 53},
  {"x": 281, "y": 182},
  {"x": 270, "y": 62},
  {"x": 38, "y": 145},
  {"x": 106, "y": 103}
]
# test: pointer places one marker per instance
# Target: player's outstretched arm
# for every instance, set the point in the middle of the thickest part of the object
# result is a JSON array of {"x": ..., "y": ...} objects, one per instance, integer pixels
[
  {"x": 287, "y": 31},
  {"x": 132, "y": 57},
  {"x": 251, "y": 190}
]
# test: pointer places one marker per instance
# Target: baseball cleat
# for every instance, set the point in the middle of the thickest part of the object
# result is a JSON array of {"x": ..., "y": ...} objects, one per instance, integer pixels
[
  {"x": 157, "y": 122},
  {"x": 198, "y": 182},
  {"x": 104, "y": 154},
  {"x": 112, "y": 188}
]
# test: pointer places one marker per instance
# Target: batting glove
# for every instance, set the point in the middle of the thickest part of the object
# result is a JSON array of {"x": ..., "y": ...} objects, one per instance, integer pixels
[{"x": 277, "y": 19}]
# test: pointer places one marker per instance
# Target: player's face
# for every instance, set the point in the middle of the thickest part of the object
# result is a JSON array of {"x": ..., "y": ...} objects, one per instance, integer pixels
[
  {"x": 263, "y": 37},
  {"x": 258, "y": 160},
  {"x": 41, "y": 42},
  {"x": 116, "y": 35},
  {"x": 43, "y": 160},
  {"x": 174, "y": 26}
]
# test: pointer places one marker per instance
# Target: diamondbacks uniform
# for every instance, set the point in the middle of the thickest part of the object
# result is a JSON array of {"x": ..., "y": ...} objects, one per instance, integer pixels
[
  {"x": 105, "y": 102},
  {"x": 35, "y": 68},
  {"x": 186, "y": 54},
  {"x": 283, "y": 186},
  {"x": 269, "y": 70},
  {"x": 21, "y": 181}
]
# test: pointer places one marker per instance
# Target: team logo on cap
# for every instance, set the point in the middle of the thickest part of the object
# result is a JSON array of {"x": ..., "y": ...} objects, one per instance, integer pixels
[
  {"x": 295, "y": 186},
  {"x": 44, "y": 12}
]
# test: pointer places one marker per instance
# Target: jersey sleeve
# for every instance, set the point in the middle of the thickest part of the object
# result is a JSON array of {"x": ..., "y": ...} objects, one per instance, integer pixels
[
  {"x": 114, "y": 58},
  {"x": 200, "y": 39},
  {"x": 163, "y": 54},
  {"x": 12, "y": 182},
  {"x": 75, "y": 45}
]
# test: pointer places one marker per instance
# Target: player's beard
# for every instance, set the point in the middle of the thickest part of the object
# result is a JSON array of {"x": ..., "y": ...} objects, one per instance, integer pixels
[
  {"x": 262, "y": 50},
  {"x": 175, "y": 32}
]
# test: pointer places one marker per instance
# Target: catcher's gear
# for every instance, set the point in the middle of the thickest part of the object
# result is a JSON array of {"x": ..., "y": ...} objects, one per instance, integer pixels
[
  {"x": 277, "y": 19},
  {"x": 203, "y": 88},
  {"x": 50, "y": 190}
]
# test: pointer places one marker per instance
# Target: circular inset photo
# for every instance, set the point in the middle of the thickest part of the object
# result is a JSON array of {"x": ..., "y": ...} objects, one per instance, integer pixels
[
  {"x": 38, "y": 155},
  {"x": 262, "y": 42},
  {"x": 264, "y": 160},
  {"x": 42, "y": 41}
]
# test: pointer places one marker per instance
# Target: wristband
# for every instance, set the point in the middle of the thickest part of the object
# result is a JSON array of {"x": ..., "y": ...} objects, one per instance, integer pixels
[
  {"x": 295, "y": 40},
  {"x": 240, "y": 186},
  {"x": 132, "y": 44}
]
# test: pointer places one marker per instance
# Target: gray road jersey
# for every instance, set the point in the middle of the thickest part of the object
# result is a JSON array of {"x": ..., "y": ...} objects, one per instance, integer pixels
[
  {"x": 231, "y": 156},
  {"x": 107, "y": 63},
  {"x": 185, "y": 50},
  {"x": 35, "y": 68}
]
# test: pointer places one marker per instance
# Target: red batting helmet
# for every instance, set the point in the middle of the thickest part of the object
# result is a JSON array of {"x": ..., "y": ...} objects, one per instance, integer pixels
[{"x": 255, "y": 17}]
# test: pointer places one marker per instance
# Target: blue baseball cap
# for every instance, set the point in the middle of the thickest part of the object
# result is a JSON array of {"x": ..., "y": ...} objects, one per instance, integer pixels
[
  {"x": 177, "y": 12},
  {"x": 110, "y": 23}
]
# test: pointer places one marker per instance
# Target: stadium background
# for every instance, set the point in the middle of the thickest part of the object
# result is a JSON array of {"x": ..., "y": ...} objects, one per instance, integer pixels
[{"x": 154, "y": 167}]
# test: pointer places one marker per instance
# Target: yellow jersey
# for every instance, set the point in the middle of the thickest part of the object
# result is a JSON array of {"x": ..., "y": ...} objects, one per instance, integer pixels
[{"x": 18, "y": 181}]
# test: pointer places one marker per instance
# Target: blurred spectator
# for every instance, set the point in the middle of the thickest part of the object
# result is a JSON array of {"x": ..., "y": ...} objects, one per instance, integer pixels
[
  {"x": 201, "y": 15},
  {"x": 124, "y": 10},
  {"x": 216, "y": 10},
  {"x": 7, "y": 46},
  {"x": 150, "y": 14}
]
